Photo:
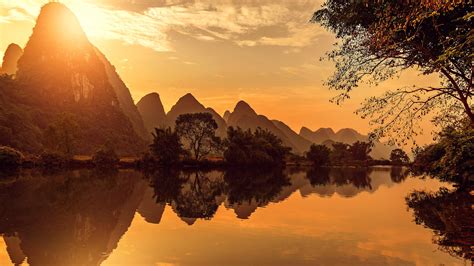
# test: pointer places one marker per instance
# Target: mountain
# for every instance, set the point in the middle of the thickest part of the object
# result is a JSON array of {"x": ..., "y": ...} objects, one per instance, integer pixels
[
  {"x": 318, "y": 136},
  {"x": 10, "y": 59},
  {"x": 123, "y": 96},
  {"x": 152, "y": 111},
  {"x": 327, "y": 137},
  {"x": 245, "y": 117},
  {"x": 62, "y": 72},
  {"x": 189, "y": 105},
  {"x": 349, "y": 135},
  {"x": 226, "y": 115},
  {"x": 299, "y": 142}
]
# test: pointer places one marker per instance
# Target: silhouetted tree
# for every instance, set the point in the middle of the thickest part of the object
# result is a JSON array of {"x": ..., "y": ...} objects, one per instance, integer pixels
[
  {"x": 9, "y": 157},
  {"x": 166, "y": 146},
  {"x": 381, "y": 38},
  {"x": 106, "y": 156},
  {"x": 359, "y": 151},
  {"x": 318, "y": 154},
  {"x": 199, "y": 131},
  {"x": 340, "y": 153},
  {"x": 61, "y": 136},
  {"x": 259, "y": 148},
  {"x": 450, "y": 159},
  {"x": 399, "y": 156}
]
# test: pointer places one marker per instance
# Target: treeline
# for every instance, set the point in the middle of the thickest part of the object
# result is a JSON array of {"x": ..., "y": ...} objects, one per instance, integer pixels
[
  {"x": 355, "y": 154},
  {"x": 194, "y": 141}
]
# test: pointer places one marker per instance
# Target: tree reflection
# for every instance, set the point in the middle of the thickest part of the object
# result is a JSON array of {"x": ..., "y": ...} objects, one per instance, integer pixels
[
  {"x": 398, "y": 174},
  {"x": 450, "y": 215},
  {"x": 357, "y": 177},
  {"x": 74, "y": 217},
  {"x": 258, "y": 185}
]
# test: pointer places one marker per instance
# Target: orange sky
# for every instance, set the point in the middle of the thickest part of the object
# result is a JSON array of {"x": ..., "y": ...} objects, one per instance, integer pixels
[{"x": 264, "y": 52}]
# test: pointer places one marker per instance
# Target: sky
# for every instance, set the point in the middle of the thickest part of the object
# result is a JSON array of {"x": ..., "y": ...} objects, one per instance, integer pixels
[{"x": 264, "y": 52}]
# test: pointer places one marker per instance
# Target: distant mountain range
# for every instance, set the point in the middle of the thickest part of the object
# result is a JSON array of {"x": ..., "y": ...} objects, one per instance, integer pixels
[
  {"x": 61, "y": 71},
  {"x": 245, "y": 117}
]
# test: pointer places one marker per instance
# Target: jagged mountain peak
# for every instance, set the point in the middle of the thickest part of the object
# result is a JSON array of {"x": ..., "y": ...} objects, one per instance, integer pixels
[
  {"x": 243, "y": 107},
  {"x": 325, "y": 130},
  {"x": 150, "y": 98},
  {"x": 188, "y": 99},
  {"x": 10, "y": 59}
]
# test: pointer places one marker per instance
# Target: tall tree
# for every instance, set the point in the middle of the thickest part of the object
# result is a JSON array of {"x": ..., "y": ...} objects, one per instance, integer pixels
[
  {"x": 381, "y": 38},
  {"x": 166, "y": 146},
  {"x": 61, "y": 136},
  {"x": 198, "y": 130}
]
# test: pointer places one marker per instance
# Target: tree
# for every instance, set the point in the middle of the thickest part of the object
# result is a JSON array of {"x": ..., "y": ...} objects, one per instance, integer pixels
[
  {"x": 61, "y": 135},
  {"x": 166, "y": 146},
  {"x": 359, "y": 151},
  {"x": 450, "y": 159},
  {"x": 106, "y": 156},
  {"x": 399, "y": 156},
  {"x": 10, "y": 157},
  {"x": 340, "y": 152},
  {"x": 382, "y": 38},
  {"x": 254, "y": 148},
  {"x": 318, "y": 154},
  {"x": 198, "y": 130}
]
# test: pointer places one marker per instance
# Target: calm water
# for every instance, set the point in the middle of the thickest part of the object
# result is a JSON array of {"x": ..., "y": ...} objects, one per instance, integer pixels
[{"x": 316, "y": 217}]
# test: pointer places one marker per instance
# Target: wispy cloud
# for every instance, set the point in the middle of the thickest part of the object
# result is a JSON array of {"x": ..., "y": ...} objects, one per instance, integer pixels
[{"x": 148, "y": 23}]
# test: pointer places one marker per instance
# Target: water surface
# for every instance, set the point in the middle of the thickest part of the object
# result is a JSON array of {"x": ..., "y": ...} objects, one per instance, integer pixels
[{"x": 266, "y": 217}]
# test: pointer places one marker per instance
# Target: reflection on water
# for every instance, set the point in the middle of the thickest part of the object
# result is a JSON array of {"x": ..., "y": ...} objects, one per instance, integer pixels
[{"x": 316, "y": 216}]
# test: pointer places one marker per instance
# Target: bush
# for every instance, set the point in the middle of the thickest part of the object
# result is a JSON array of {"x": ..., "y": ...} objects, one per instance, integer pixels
[
  {"x": 166, "y": 147},
  {"x": 318, "y": 154},
  {"x": 451, "y": 159},
  {"x": 52, "y": 159},
  {"x": 258, "y": 148},
  {"x": 398, "y": 157},
  {"x": 105, "y": 157},
  {"x": 10, "y": 157}
]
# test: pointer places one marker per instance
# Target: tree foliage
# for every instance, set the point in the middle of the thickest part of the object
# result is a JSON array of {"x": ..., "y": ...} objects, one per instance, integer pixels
[
  {"x": 318, "y": 154},
  {"x": 198, "y": 130},
  {"x": 61, "y": 136},
  {"x": 450, "y": 159},
  {"x": 10, "y": 157},
  {"x": 359, "y": 151},
  {"x": 399, "y": 156},
  {"x": 260, "y": 147},
  {"x": 166, "y": 146},
  {"x": 379, "y": 39}
]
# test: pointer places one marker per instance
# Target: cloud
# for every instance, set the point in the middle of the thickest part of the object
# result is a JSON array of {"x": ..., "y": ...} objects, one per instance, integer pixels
[{"x": 148, "y": 23}]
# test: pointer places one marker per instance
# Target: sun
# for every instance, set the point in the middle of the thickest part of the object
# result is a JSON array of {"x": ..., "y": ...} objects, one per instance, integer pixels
[{"x": 93, "y": 19}]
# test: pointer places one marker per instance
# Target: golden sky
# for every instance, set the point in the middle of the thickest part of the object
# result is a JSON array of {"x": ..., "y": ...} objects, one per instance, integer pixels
[{"x": 262, "y": 51}]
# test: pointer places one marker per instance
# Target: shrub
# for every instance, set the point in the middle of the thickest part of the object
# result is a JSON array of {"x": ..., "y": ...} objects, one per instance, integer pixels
[
  {"x": 52, "y": 159},
  {"x": 105, "y": 157},
  {"x": 318, "y": 154},
  {"x": 254, "y": 148},
  {"x": 10, "y": 157},
  {"x": 166, "y": 147},
  {"x": 398, "y": 157}
]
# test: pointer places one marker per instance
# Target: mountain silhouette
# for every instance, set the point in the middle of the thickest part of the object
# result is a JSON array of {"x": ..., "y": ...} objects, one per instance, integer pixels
[
  {"x": 64, "y": 73},
  {"x": 245, "y": 117},
  {"x": 327, "y": 137},
  {"x": 188, "y": 104},
  {"x": 10, "y": 59},
  {"x": 226, "y": 115},
  {"x": 124, "y": 97},
  {"x": 298, "y": 141},
  {"x": 152, "y": 111}
]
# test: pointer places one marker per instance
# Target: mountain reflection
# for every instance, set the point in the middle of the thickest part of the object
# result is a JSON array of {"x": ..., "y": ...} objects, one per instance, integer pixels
[
  {"x": 451, "y": 217},
  {"x": 68, "y": 218},
  {"x": 78, "y": 217}
]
